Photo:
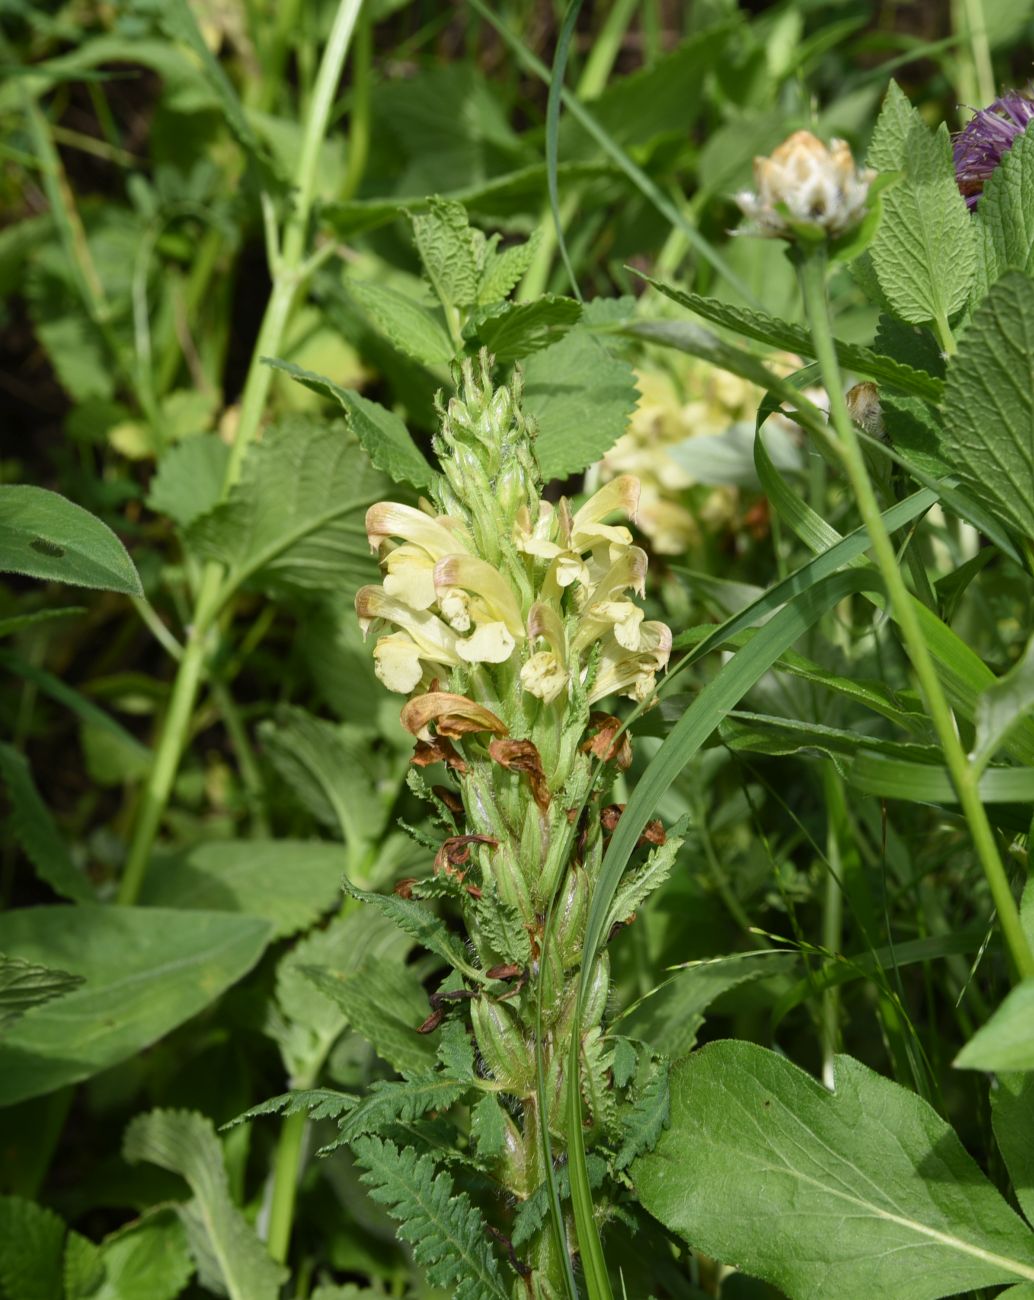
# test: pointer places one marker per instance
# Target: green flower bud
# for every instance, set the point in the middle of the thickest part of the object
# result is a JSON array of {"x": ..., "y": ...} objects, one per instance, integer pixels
[
  {"x": 499, "y": 1038},
  {"x": 574, "y": 909}
]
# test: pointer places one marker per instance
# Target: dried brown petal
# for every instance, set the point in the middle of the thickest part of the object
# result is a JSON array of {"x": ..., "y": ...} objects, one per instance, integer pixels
[
  {"x": 601, "y": 742},
  {"x": 432, "y": 1022},
  {"x": 522, "y": 756},
  {"x": 453, "y": 715},
  {"x": 437, "y": 750}
]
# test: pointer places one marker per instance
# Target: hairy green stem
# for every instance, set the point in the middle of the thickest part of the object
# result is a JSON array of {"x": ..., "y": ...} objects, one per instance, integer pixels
[
  {"x": 812, "y": 268},
  {"x": 289, "y": 274}
]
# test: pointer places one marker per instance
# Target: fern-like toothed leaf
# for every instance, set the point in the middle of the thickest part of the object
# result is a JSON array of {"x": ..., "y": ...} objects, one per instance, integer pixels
[
  {"x": 448, "y": 1235},
  {"x": 643, "y": 1121},
  {"x": 637, "y": 887},
  {"x": 317, "y": 1103},
  {"x": 423, "y": 925},
  {"x": 501, "y": 927},
  {"x": 397, "y": 1102}
]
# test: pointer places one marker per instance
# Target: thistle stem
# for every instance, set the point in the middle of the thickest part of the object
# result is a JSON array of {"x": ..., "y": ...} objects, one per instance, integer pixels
[
  {"x": 288, "y": 278},
  {"x": 811, "y": 268}
]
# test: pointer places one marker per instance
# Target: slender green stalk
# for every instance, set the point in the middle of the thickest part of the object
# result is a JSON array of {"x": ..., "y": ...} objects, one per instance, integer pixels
[
  {"x": 832, "y": 915},
  {"x": 976, "y": 78},
  {"x": 359, "y": 114},
  {"x": 286, "y": 1169},
  {"x": 289, "y": 275},
  {"x": 812, "y": 274}
]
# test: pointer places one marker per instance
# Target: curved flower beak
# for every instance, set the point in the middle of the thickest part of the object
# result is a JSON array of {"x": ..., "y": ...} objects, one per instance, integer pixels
[
  {"x": 587, "y": 527},
  {"x": 437, "y": 535},
  {"x": 633, "y": 673}
]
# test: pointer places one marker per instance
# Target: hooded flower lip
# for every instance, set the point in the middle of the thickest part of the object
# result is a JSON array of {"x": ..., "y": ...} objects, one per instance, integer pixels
[
  {"x": 806, "y": 189},
  {"x": 986, "y": 138}
]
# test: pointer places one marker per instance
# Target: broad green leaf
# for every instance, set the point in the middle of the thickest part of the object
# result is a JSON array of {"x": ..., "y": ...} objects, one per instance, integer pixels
[
  {"x": 24, "y": 985},
  {"x": 989, "y": 402},
  {"x": 1006, "y": 1042},
  {"x": 189, "y": 479},
  {"x": 1003, "y": 706},
  {"x": 517, "y": 329},
  {"x": 1012, "y": 1116},
  {"x": 1005, "y": 215},
  {"x": 857, "y": 1193},
  {"x": 449, "y": 1237},
  {"x": 411, "y": 327},
  {"x": 146, "y": 1260},
  {"x": 795, "y": 338},
  {"x": 185, "y": 1143},
  {"x": 33, "y": 827},
  {"x": 82, "y": 1267},
  {"x": 580, "y": 396},
  {"x": 31, "y": 1241},
  {"x": 895, "y": 778},
  {"x": 384, "y": 437},
  {"x": 44, "y": 535},
  {"x": 669, "y": 1016},
  {"x": 289, "y": 883},
  {"x": 449, "y": 250},
  {"x": 296, "y": 515},
  {"x": 924, "y": 252},
  {"x": 146, "y": 971}
]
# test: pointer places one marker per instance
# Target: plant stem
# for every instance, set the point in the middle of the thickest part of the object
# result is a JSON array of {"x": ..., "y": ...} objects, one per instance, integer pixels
[
  {"x": 286, "y": 1168},
  {"x": 811, "y": 269},
  {"x": 832, "y": 914},
  {"x": 289, "y": 273}
]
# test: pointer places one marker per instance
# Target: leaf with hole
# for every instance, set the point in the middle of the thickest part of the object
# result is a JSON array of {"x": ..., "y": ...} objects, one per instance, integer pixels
[{"x": 44, "y": 535}]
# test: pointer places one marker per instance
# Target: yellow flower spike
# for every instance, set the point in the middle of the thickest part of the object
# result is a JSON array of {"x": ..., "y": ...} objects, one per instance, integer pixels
[
  {"x": 410, "y": 576},
  {"x": 474, "y": 575},
  {"x": 587, "y": 527},
  {"x": 544, "y": 676},
  {"x": 436, "y": 642},
  {"x": 438, "y": 535},
  {"x": 397, "y": 663}
]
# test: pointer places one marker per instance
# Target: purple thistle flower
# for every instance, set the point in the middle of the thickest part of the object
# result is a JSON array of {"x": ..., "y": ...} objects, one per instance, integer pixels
[{"x": 986, "y": 139}]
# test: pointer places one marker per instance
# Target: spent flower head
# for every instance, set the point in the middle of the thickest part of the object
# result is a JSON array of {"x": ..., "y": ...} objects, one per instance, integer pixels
[
  {"x": 806, "y": 190},
  {"x": 986, "y": 139}
]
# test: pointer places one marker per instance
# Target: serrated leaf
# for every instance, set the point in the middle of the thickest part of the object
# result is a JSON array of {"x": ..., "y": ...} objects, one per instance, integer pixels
[
  {"x": 488, "y": 1127},
  {"x": 407, "y": 324},
  {"x": 145, "y": 971},
  {"x": 385, "y": 1003},
  {"x": 33, "y": 827},
  {"x": 295, "y": 518},
  {"x": 146, "y": 1260},
  {"x": 44, "y": 535},
  {"x": 326, "y": 767},
  {"x": 924, "y": 252},
  {"x": 1006, "y": 1042},
  {"x": 426, "y": 928},
  {"x": 795, "y": 338},
  {"x": 189, "y": 478},
  {"x": 185, "y": 1143},
  {"x": 989, "y": 402},
  {"x": 1012, "y": 1116},
  {"x": 448, "y": 1235},
  {"x": 397, "y": 1102},
  {"x": 857, "y": 1193},
  {"x": 580, "y": 396},
  {"x": 289, "y": 883},
  {"x": 1004, "y": 217},
  {"x": 82, "y": 1267},
  {"x": 503, "y": 270},
  {"x": 384, "y": 437},
  {"x": 316, "y": 1103},
  {"x": 638, "y": 887},
  {"x": 449, "y": 249},
  {"x": 306, "y": 1024},
  {"x": 24, "y": 985},
  {"x": 31, "y": 1240},
  {"x": 517, "y": 329},
  {"x": 643, "y": 1122},
  {"x": 502, "y": 927}
]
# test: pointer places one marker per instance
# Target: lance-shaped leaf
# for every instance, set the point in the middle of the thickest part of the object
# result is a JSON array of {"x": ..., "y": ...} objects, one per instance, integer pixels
[
  {"x": 24, "y": 985},
  {"x": 857, "y": 1193},
  {"x": 221, "y": 1239}
]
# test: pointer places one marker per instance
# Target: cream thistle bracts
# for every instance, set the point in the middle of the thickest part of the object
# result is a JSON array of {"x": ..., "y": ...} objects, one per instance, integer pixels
[{"x": 806, "y": 190}]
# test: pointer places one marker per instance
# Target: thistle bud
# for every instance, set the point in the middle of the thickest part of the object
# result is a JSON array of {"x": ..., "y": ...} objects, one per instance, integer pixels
[
  {"x": 502, "y": 1045},
  {"x": 806, "y": 191}
]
